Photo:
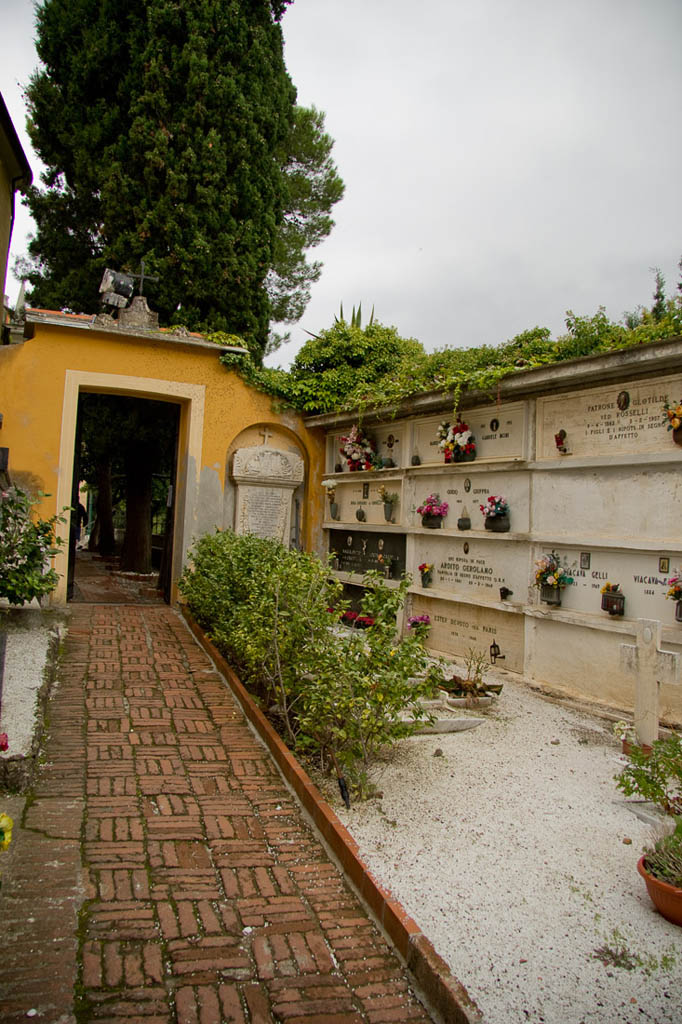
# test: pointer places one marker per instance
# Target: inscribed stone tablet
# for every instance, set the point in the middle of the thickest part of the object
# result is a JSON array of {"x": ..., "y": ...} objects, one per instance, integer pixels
[{"x": 619, "y": 419}]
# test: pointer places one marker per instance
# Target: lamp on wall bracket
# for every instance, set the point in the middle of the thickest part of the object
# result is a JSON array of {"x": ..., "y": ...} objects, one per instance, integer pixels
[{"x": 495, "y": 653}]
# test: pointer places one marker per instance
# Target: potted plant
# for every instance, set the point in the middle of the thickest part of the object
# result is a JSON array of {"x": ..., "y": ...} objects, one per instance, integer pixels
[
  {"x": 612, "y": 600},
  {"x": 551, "y": 578},
  {"x": 673, "y": 420},
  {"x": 390, "y": 500},
  {"x": 470, "y": 690},
  {"x": 496, "y": 514},
  {"x": 433, "y": 511},
  {"x": 675, "y": 594},
  {"x": 357, "y": 449},
  {"x": 661, "y": 868},
  {"x": 628, "y": 738},
  {"x": 330, "y": 487},
  {"x": 456, "y": 441},
  {"x": 426, "y": 570}
]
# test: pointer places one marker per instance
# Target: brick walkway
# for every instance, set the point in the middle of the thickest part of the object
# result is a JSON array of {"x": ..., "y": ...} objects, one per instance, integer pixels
[{"x": 204, "y": 896}]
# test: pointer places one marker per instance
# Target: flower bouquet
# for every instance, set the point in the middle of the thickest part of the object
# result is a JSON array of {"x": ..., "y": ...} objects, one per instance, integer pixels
[
  {"x": 612, "y": 600},
  {"x": 433, "y": 511},
  {"x": 426, "y": 570},
  {"x": 419, "y": 624},
  {"x": 551, "y": 578},
  {"x": 673, "y": 420},
  {"x": 675, "y": 594},
  {"x": 456, "y": 441},
  {"x": 496, "y": 513},
  {"x": 358, "y": 449}
]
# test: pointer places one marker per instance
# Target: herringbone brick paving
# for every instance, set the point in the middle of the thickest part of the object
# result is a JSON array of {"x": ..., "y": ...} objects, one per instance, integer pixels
[{"x": 205, "y": 896}]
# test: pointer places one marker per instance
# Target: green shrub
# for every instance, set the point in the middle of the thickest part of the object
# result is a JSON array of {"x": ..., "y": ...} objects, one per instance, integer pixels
[
  {"x": 656, "y": 776},
  {"x": 25, "y": 549},
  {"x": 339, "y": 694}
]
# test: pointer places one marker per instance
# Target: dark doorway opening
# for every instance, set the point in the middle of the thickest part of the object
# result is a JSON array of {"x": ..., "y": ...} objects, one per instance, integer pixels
[{"x": 123, "y": 491}]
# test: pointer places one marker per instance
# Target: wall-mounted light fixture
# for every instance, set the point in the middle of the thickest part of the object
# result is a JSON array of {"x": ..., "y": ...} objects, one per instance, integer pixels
[{"x": 495, "y": 653}]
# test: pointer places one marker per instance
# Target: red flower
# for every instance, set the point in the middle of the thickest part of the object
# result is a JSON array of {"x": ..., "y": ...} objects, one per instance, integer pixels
[{"x": 4, "y": 741}]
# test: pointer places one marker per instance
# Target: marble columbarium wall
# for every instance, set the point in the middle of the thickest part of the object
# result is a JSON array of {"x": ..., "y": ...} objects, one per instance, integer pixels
[{"x": 608, "y": 503}]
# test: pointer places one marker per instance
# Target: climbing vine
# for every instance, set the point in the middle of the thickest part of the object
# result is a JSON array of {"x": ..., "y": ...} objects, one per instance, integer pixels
[{"x": 351, "y": 368}]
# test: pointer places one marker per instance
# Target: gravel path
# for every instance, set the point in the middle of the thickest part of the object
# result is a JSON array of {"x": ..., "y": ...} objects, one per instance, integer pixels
[{"x": 509, "y": 851}]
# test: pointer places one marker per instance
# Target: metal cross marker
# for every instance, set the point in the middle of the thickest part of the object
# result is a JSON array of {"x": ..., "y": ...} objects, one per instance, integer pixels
[
  {"x": 265, "y": 434},
  {"x": 142, "y": 277}
]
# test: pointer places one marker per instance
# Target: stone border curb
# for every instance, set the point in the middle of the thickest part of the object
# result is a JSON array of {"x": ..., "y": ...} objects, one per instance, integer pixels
[{"x": 444, "y": 993}]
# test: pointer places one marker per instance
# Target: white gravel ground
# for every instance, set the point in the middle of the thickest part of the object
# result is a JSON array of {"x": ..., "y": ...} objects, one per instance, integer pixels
[{"x": 509, "y": 853}]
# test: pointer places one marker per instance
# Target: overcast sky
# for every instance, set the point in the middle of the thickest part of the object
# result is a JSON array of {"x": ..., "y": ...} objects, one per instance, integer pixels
[{"x": 504, "y": 160}]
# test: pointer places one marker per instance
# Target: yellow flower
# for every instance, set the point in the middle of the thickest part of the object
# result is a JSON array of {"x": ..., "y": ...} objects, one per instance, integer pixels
[
  {"x": 678, "y": 411},
  {"x": 675, "y": 422},
  {"x": 5, "y": 831}
]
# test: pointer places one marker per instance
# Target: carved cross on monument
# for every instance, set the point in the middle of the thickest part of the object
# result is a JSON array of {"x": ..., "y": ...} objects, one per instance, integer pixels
[
  {"x": 266, "y": 434},
  {"x": 650, "y": 666}
]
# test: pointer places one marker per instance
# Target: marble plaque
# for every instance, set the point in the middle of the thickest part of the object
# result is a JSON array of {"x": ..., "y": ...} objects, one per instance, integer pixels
[
  {"x": 266, "y": 479},
  {"x": 473, "y": 566},
  {"x": 361, "y": 493},
  {"x": 500, "y": 432},
  {"x": 457, "y": 628},
  {"x": 390, "y": 442},
  {"x": 619, "y": 419},
  {"x": 358, "y": 551},
  {"x": 611, "y": 501},
  {"x": 465, "y": 492},
  {"x": 640, "y": 575}
]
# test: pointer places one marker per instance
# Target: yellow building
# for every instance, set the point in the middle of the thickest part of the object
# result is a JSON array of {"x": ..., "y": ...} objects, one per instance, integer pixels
[
  {"x": 15, "y": 176},
  {"x": 64, "y": 355}
]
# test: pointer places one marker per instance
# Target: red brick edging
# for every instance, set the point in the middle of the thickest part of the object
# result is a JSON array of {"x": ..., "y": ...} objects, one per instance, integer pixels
[{"x": 445, "y": 994}]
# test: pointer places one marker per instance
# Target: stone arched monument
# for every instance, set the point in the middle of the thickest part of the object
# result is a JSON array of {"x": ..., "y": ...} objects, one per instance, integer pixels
[{"x": 266, "y": 479}]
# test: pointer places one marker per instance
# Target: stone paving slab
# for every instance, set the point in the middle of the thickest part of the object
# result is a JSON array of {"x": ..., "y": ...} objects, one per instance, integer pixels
[{"x": 204, "y": 895}]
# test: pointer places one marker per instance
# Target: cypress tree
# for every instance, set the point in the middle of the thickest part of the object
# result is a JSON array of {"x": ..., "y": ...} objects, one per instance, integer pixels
[{"x": 161, "y": 125}]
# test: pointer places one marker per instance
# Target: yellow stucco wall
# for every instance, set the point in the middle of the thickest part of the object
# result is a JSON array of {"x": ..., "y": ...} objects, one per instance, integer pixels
[
  {"x": 39, "y": 384},
  {"x": 5, "y": 219}
]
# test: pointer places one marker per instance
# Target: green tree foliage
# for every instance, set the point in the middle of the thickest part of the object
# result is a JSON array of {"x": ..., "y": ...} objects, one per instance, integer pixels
[
  {"x": 162, "y": 126},
  {"x": 333, "y": 692},
  {"x": 350, "y": 368},
  {"x": 312, "y": 187},
  {"x": 130, "y": 439}
]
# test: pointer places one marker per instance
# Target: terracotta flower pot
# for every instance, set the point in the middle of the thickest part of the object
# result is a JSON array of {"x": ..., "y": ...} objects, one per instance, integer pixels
[
  {"x": 627, "y": 746},
  {"x": 665, "y": 897}
]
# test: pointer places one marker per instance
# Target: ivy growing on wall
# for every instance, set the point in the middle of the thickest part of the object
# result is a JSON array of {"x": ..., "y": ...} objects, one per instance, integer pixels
[{"x": 351, "y": 368}]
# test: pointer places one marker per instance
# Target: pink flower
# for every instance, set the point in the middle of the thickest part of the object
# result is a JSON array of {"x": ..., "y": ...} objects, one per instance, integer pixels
[{"x": 4, "y": 741}]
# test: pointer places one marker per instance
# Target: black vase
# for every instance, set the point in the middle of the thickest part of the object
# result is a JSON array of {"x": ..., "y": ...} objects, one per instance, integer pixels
[
  {"x": 333, "y": 510},
  {"x": 432, "y": 522},
  {"x": 388, "y": 511},
  {"x": 497, "y": 524},
  {"x": 464, "y": 523},
  {"x": 415, "y": 460},
  {"x": 550, "y": 595}
]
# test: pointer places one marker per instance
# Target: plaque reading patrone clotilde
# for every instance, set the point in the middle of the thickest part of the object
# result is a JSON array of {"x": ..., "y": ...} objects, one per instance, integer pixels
[{"x": 266, "y": 479}]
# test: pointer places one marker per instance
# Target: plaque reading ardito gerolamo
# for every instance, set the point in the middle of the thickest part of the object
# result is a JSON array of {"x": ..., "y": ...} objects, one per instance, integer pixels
[{"x": 266, "y": 479}]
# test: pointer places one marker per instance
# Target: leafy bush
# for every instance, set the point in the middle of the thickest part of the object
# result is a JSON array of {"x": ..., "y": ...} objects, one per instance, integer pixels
[
  {"x": 274, "y": 614},
  {"x": 656, "y": 776},
  {"x": 25, "y": 548}
]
